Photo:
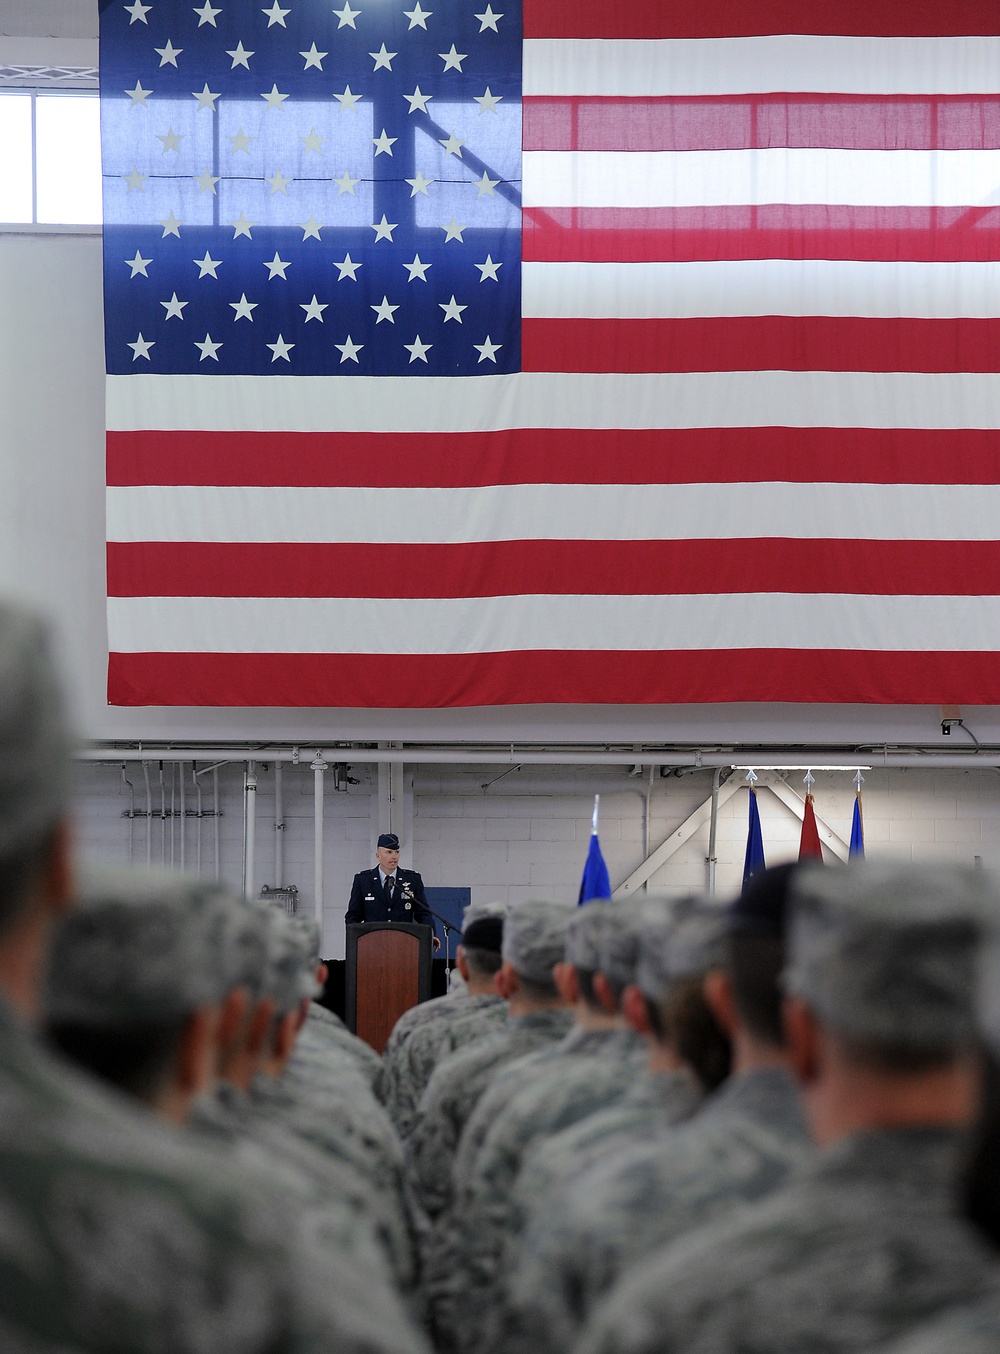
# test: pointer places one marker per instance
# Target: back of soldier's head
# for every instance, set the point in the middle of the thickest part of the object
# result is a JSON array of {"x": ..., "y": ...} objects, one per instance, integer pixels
[
  {"x": 680, "y": 942},
  {"x": 885, "y": 957},
  {"x": 755, "y": 951},
  {"x": 482, "y": 941},
  {"x": 534, "y": 941},
  {"x": 589, "y": 929},
  {"x": 133, "y": 960},
  {"x": 35, "y": 756}
]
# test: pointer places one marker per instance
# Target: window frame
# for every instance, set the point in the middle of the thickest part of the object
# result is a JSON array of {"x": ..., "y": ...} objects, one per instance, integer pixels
[{"x": 34, "y": 226}]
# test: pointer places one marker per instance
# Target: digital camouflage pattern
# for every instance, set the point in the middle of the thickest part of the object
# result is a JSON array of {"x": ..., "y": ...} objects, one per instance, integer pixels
[
  {"x": 971, "y": 1328},
  {"x": 324, "y": 1027},
  {"x": 121, "y": 1236},
  {"x": 862, "y": 1246},
  {"x": 588, "y": 1071},
  {"x": 409, "y": 1021},
  {"x": 429, "y": 1045},
  {"x": 227, "y": 1115},
  {"x": 743, "y": 1144}
]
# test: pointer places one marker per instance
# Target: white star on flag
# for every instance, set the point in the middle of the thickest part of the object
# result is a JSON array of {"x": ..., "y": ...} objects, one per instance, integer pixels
[
  {"x": 276, "y": 15},
  {"x": 274, "y": 99},
  {"x": 313, "y": 142},
  {"x": 141, "y": 347},
  {"x": 206, "y": 182},
  {"x": 276, "y": 267},
  {"x": 241, "y": 226},
  {"x": 244, "y": 309},
  {"x": 383, "y": 230},
  {"x": 313, "y": 58},
  {"x": 207, "y": 265},
  {"x": 139, "y": 95},
  {"x": 138, "y": 265},
  {"x": 349, "y": 350},
  {"x": 135, "y": 180},
  {"x": 240, "y": 141},
  {"x": 488, "y": 269},
  {"x": 383, "y": 144},
  {"x": 345, "y": 184},
  {"x": 348, "y": 268},
  {"x": 486, "y": 185},
  {"x": 206, "y": 99},
  {"x": 314, "y": 310},
  {"x": 385, "y": 311},
  {"x": 453, "y": 231},
  {"x": 488, "y": 102},
  {"x": 310, "y": 229},
  {"x": 416, "y": 269},
  {"x": 488, "y": 20},
  {"x": 452, "y": 60},
  {"x": 347, "y": 16},
  {"x": 487, "y": 351},
  {"x": 171, "y": 140},
  {"x": 240, "y": 55},
  {"x": 278, "y": 183},
  {"x": 208, "y": 348},
  {"x": 418, "y": 102},
  {"x": 168, "y": 55},
  {"x": 207, "y": 14},
  {"x": 418, "y": 17},
  {"x": 280, "y": 349},
  {"x": 174, "y": 308},
  {"x": 418, "y": 351},
  {"x": 138, "y": 11},
  {"x": 452, "y": 310},
  {"x": 383, "y": 59},
  {"x": 347, "y": 99},
  {"x": 171, "y": 226},
  {"x": 419, "y": 185},
  {"x": 452, "y": 145}
]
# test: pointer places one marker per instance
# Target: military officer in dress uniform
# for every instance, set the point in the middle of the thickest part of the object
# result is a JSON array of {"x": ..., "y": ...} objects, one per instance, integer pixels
[{"x": 388, "y": 893}]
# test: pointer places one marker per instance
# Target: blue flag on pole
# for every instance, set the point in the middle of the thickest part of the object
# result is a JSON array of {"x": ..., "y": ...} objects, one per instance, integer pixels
[
  {"x": 857, "y": 832},
  {"x": 596, "y": 882},
  {"x": 754, "y": 859}
]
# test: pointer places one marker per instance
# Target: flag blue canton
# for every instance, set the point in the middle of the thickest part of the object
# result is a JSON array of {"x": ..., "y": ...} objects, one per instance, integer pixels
[{"x": 306, "y": 190}]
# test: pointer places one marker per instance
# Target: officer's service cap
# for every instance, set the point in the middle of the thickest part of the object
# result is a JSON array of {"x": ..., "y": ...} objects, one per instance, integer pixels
[
  {"x": 389, "y": 840},
  {"x": 534, "y": 939},
  {"x": 887, "y": 953},
  {"x": 35, "y": 741},
  {"x": 141, "y": 946}
]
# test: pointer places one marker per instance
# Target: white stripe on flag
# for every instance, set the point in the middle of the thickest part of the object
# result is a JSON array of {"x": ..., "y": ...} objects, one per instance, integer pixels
[
  {"x": 733, "y": 287},
  {"x": 510, "y": 512},
  {"x": 757, "y": 178},
  {"x": 727, "y": 399},
  {"x": 498, "y": 624},
  {"x": 786, "y": 63}
]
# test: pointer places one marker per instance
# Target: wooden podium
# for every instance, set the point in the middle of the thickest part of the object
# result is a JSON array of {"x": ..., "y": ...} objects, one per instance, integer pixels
[{"x": 388, "y": 971}]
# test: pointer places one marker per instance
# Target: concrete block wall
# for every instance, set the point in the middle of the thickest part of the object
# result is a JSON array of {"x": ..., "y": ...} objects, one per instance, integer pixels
[{"x": 525, "y": 834}]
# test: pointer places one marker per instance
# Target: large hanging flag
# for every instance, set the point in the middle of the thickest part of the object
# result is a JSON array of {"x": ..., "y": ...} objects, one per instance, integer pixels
[
  {"x": 596, "y": 882},
  {"x": 857, "y": 849},
  {"x": 810, "y": 846},
  {"x": 454, "y": 355},
  {"x": 754, "y": 858}
]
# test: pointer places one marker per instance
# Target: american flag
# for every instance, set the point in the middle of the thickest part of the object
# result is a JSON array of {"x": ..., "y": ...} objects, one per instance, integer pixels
[{"x": 485, "y": 353}]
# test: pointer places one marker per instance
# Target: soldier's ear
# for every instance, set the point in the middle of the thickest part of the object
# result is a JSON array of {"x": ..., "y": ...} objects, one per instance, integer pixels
[
  {"x": 505, "y": 981},
  {"x": 803, "y": 1038},
  {"x": 717, "y": 990},
  {"x": 635, "y": 1011}
]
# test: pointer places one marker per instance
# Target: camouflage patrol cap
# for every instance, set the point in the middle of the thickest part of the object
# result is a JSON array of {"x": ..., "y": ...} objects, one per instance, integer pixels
[
  {"x": 587, "y": 929},
  {"x": 477, "y": 911},
  {"x": 35, "y": 741},
  {"x": 291, "y": 970},
  {"x": 148, "y": 946},
  {"x": 619, "y": 948},
  {"x": 680, "y": 937},
  {"x": 887, "y": 953},
  {"x": 534, "y": 939}
]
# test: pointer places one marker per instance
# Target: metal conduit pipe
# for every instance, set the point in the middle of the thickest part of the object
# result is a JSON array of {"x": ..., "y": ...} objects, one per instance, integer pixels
[
  {"x": 713, "y": 829},
  {"x": 183, "y": 798},
  {"x": 279, "y": 827},
  {"x": 249, "y": 828},
  {"x": 215, "y": 794},
  {"x": 319, "y": 786},
  {"x": 149, "y": 817},
  {"x": 757, "y": 757}
]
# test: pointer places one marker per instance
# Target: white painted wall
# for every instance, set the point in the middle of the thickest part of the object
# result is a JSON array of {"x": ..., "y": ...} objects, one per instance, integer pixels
[{"x": 526, "y": 836}]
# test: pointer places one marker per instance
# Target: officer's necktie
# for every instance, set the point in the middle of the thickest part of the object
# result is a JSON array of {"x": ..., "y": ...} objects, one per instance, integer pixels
[{"x": 389, "y": 882}]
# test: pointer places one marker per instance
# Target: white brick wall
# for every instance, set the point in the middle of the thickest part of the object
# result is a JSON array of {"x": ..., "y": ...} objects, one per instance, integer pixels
[{"x": 526, "y": 836}]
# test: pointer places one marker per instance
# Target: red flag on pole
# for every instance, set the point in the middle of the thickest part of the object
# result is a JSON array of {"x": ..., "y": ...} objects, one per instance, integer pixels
[{"x": 810, "y": 847}]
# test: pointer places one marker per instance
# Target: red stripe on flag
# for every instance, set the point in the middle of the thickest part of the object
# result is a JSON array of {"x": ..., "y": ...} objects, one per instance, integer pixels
[
  {"x": 557, "y": 456},
  {"x": 779, "y": 231},
  {"x": 736, "y": 18},
  {"x": 844, "y": 121},
  {"x": 761, "y": 343},
  {"x": 483, "y": 569},
  {"x": 597, "y": 678}
]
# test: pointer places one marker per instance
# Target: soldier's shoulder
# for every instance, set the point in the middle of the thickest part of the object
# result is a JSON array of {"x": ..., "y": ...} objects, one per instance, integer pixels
[{"x": 972, "y": 1328}]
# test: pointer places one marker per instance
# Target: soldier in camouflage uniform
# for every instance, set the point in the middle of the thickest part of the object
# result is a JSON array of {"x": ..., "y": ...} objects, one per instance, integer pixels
[
  {"x": 430, "y": 1011},
  {"x": 463, "y": 1023},
  {"x": 594, "y": 1067},
  {"x": 534, "y": 941},
  {"x": 863, "y": 1243},
  {"x": 120, "y": 1235},
  {"x": 324, "y": 1030},
  {"x": 741, "y": 1145}
]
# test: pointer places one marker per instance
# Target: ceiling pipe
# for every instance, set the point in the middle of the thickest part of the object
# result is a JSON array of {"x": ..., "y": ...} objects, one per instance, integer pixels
[{"x": 464, "y": 756}]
